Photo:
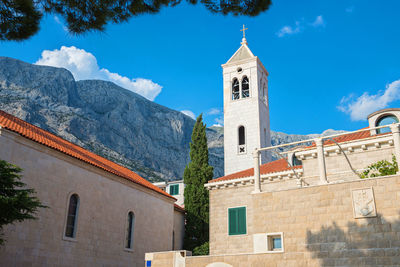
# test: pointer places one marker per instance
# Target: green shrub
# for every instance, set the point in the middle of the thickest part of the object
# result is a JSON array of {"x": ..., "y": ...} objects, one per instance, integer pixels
[
  {"x": 202, "y": 250},
  {"x": 381, "y": 168}
]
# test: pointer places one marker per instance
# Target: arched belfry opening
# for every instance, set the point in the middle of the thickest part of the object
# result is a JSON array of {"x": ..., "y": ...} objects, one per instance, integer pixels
[
  {"x": 245, "y": 87},
  {"x": 235, "y": 89}
]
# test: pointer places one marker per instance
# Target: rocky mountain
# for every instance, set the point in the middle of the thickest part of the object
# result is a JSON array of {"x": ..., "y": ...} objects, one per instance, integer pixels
[{"x": 111, "y": 121}]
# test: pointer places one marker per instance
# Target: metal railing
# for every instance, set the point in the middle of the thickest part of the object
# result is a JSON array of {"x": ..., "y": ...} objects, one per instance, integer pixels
[{"x": 319, "y": 145}]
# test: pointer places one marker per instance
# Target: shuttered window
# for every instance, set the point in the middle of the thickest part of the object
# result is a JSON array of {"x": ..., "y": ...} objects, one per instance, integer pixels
[
  {"x": 237, "y": 221},
  {"x": 174, "y": 189}
]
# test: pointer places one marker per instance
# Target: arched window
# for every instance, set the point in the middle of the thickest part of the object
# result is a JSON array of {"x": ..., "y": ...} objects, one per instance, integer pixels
[
  {"x": 296, "y": 161},
  {"x": 70, "y": 229},
  {"x": 264, "y": 90},
  {"x": 245, "y": 87},
  {"x": 386, "y": 120},
  {"x": 235, "y": 89},
  {"x": 241, "y": 136},
  {"x": 130, "y": 230}
]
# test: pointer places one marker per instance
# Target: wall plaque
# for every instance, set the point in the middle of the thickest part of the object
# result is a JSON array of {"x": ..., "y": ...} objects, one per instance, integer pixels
[{"x": 363, "y": 203}]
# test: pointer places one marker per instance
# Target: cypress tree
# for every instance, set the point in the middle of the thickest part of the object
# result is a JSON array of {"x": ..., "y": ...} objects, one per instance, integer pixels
[{"x": 196, "y": 174}]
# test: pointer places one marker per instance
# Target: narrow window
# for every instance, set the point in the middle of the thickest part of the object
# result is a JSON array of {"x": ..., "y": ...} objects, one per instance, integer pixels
[
  {"x": 245, "y": 87},
  {"x": 70, "y": 230},
  {"x": 174, "y": 189},
  {"x": 129, "y": 230},
  {"x": 265, "y": 137},
  {"x": 235, "y": 89},
  {"x": 241, "y": 135},
  {"x": 237, "y": 221}
]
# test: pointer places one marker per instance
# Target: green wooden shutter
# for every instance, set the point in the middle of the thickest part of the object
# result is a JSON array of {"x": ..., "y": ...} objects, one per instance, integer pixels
[
  {"x": 232, "y": 221},
  {"x": 237, "y": 221},
  {"x": 174, "y": 189},
  {"x": 241, "y": 220}
]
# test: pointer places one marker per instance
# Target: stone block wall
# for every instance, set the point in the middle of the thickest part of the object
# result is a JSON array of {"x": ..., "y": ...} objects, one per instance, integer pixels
[{"x": 317, "y": 222}]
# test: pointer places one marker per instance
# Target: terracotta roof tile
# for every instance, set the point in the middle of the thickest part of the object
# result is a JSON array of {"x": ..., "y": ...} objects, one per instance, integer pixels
[
  {"x": 48, "y": 139},
  {"x": 350, "y": 137},
  {"x": 270, "y": 167}
]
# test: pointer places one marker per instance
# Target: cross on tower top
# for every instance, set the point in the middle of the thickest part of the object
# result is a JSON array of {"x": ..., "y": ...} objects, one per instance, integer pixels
[
  {"x": 244, "y": 41},
  {"x": 244, "y": 31}
]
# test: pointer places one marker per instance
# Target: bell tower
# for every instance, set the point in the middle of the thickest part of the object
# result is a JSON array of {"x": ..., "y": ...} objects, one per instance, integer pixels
[{"x": 246, "y": 112}]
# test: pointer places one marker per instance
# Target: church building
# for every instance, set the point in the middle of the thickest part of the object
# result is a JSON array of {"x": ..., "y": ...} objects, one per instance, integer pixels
[
  {"x": 98, "y": 212},
  {"x": 315, "y": 206}
]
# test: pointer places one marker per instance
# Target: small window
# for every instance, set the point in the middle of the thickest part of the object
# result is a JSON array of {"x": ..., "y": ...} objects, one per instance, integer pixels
[
  {"x": 237, "y": 221},
  {"x": 130, "y": 230},
  {"x": 245, "y": 87},
  {"x": 386, "y": 120},
  {"x": 296, "y": 161},
  {"x": 241, "y": 136},
  {"x": 275, "y": 242},
  {"x": 174, "y": 189},
  {"x": 235, "y": 89},
  {"x": 70, "y": 229}
]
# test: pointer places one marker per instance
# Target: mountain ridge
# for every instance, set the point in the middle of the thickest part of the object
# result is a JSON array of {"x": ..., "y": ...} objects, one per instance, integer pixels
[{"x": 118, "y": 124}]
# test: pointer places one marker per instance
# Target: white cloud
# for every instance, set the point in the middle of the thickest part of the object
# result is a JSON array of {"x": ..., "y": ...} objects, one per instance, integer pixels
[
  {"x": 214, "y": 111},
  {"x": 220, "y": 121},
  {"x": 83, "y": 65},
  {"x": 300, "y": 26},
  {"x": 189, "y": 113},
  {"x": 289, "y": 30},
  {"x": 364, "y": 105},
  {"x": 318, "y": 22}
]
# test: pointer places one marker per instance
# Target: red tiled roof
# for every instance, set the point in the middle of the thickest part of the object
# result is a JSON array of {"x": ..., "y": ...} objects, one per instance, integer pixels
[
  {"x": 43, "y": 137},
  {"x": 347, "y": 137},
  {"x": 270, "y": 167},
  {"x": 179, "y": 208}
]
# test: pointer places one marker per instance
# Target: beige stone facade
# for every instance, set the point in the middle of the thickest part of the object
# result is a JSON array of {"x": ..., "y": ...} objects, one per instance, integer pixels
[
  {"x": 104, "y": 202},
  {"x": 318, "y": 225}
]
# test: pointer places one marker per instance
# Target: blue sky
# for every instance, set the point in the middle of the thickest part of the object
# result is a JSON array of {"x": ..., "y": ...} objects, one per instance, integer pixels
[{"x": 330, "y": 62}]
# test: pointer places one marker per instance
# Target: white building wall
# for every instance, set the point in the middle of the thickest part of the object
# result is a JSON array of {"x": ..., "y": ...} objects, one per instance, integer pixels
[{"x": 251, "y": 112}]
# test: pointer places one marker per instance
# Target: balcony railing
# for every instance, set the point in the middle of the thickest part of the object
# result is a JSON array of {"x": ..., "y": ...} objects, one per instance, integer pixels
[{"x": 319, "y": 146}]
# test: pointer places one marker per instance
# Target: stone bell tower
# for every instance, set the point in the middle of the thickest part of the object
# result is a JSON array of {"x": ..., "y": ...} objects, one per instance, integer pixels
[{"x": 246, "y": 112}]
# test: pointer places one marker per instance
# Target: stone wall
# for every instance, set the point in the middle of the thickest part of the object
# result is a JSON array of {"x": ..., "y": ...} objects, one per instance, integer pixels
[
  {"x": 179, "y": 229},
  {"x": 317, "y": 222},
  {"x": 105, "y": 201}
]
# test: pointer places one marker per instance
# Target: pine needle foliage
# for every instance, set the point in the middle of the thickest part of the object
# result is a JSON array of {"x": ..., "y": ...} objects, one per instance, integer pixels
[
  {"x": 196, "y": 174},
  {"x": 17, "y": 203},
  {"x": 20, "y": 19}
]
